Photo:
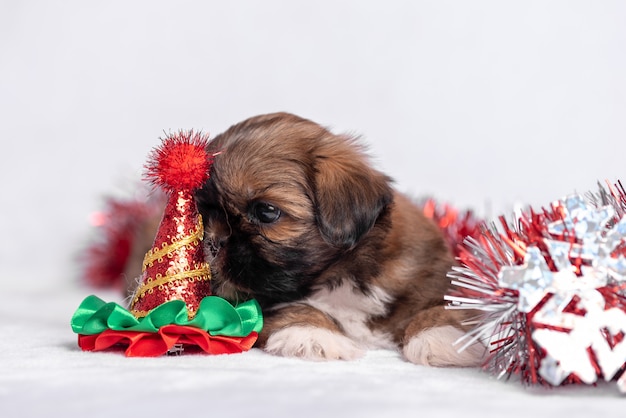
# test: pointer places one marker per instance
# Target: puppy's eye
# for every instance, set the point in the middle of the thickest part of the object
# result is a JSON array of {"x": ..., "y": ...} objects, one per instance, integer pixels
[{"x": 265, "y": 212}]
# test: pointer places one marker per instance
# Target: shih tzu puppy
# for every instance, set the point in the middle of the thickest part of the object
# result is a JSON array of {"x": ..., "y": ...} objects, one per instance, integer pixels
[{"x": 297, "y": 218}]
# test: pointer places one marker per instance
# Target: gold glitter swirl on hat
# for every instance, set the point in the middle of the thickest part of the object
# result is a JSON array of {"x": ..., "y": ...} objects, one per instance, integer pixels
[
  {"x": 200, "y": 272},
  {"x": 157, "y": 254}
]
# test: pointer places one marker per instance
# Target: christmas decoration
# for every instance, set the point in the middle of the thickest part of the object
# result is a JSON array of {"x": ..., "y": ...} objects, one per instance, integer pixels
[
  {"x": 456, "y": 225},
  {"x": 175, "y": 268},
  {"x": 550, "y": 292},
  {"x": 122, "y": 229},
  {"x": 172, "y": 308}
]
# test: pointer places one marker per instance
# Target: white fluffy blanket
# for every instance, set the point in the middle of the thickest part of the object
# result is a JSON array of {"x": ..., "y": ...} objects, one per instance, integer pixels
[{"x": 44, "y": 373}]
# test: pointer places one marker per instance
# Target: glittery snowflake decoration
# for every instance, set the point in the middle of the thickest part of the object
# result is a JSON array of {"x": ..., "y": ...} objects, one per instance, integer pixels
[{"x": 550, "y": 292}]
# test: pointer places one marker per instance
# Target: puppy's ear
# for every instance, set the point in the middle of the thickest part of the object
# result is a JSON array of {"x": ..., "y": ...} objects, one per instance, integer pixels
[{"x": 349, "y": 194}]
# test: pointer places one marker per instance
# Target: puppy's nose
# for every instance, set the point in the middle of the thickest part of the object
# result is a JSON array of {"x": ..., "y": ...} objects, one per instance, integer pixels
[{"x": 216, "y": 242}]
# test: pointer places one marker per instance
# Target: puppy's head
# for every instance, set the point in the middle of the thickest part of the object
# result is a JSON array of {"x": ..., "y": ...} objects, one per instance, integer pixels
[{"x": 285, "y": 200}]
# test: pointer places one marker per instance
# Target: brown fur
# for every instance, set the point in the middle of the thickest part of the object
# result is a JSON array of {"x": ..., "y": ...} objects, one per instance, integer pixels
[{"x": 341, "y": 224}]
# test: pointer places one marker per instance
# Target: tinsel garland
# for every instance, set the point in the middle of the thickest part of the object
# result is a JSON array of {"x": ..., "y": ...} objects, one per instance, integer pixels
[
  {"x": 119, "y": 229},
  {"x": 549, "y": 291},
  {"x": 456, "y": 225}
]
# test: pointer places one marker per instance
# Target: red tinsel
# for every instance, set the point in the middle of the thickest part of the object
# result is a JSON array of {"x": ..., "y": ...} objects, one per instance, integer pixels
[
  {"x": 117, "y": 228},
  {"x": 456, "y": 225}
]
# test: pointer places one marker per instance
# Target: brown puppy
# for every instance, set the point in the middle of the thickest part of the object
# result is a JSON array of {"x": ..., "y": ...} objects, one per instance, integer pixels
[{"x": 340, "y": 262}]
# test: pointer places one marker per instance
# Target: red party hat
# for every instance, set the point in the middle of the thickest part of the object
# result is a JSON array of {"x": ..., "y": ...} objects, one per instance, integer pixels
[{"x": 175, "y": 268}]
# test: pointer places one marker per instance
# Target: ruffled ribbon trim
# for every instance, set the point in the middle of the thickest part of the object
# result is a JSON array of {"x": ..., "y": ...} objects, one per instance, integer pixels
[{"x": 217, "y": 328}]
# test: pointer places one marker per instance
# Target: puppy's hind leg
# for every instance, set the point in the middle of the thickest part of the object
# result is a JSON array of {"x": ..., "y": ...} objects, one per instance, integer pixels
[
  {"x": 429, "y": 340},
  {"x": 302, "y": 331}
]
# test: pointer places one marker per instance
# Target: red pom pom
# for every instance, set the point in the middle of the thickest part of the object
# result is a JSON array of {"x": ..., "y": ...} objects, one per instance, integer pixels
[{"x": 181, "y": 162}]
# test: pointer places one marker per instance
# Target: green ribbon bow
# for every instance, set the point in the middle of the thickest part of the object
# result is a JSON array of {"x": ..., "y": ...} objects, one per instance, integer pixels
[{"x": 215, "y": 315}]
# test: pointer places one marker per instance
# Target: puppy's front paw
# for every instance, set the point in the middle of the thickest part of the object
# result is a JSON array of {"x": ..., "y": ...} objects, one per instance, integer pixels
[
  {"x": 435, "y": 347},
  {"x": 312, "y": 343}
]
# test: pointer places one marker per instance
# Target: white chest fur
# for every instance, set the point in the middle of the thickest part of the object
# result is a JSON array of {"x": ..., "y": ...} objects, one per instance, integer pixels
[{"x": 352, "y": 310}]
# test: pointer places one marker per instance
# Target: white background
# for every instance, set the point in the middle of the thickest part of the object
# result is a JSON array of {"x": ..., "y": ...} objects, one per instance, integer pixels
[{"x": 482, "y": 104}]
